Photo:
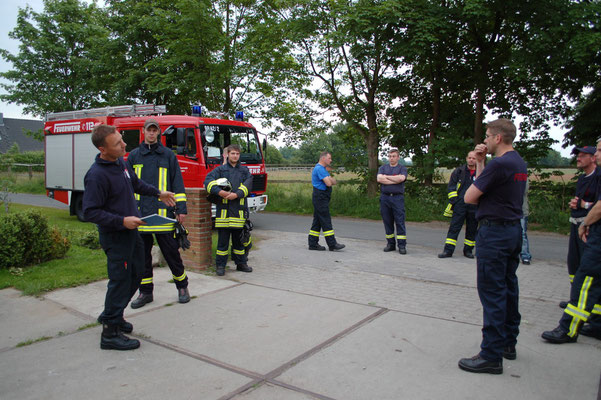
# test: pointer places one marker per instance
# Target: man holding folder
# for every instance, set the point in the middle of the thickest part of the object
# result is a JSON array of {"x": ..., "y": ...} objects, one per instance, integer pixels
[{"x": 109, "y": 202}]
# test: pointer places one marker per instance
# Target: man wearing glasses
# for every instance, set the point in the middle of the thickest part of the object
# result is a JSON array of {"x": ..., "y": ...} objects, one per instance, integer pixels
[{"x": 499, "y": 191}]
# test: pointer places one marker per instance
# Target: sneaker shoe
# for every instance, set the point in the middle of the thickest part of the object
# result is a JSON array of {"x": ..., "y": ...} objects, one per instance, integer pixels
[
  {"x": 402, "y": 250},
  {"x": 478, "y": 364},
  {"x": 317, "y": 247},
  {"x": 142, "y": 300},
  {"x": 244, "y": 268},
  {"x": 558, "y": 336},
  {"x": 445, "y": 254},
  {"x": 526, "y": 262},
  {"x": 337, "y": 246},
  {"x": 183, "y": 295}
]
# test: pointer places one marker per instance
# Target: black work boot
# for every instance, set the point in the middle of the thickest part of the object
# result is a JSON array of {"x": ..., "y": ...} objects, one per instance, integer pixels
[
  {"x": 558, "y": 336},
  {"x": 389, "y": 247},
  {"x": 337, "y": 246},
  {"x": 142, "y": 300},
  {"x": 468, "y": 253},
  {"x": 125, "y": 326},
  {"x": 220, "y": 270},
  {"x": 243, "y": 268},
  {"x": 445, "y": 254},
  {"x": 183, "y": 295},
  {"x": 113, "y": 339}
]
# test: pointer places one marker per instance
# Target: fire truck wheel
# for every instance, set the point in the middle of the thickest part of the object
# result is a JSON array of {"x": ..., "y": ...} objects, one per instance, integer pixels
[{"x": 78, "y": 207}]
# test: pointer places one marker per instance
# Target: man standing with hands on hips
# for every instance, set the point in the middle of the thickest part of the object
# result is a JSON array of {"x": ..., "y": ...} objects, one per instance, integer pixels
[
  {"x": 392, "y": 201},
  {"x": 499, "y": 191},
  {"x": 109, "y": 202}
]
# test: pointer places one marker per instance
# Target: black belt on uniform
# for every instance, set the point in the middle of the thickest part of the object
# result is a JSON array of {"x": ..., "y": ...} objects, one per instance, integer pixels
[
  {"x": 392, "y": 194},
  {"x": 503, "y": 222}
]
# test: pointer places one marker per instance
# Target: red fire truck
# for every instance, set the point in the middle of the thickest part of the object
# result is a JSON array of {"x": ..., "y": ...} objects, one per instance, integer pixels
[{"x": 198, "y": 141}]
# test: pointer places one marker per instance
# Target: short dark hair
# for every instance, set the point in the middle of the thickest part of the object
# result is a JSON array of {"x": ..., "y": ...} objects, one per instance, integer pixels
[
  {"x": 100, "y": 132},
  {"x": 235, "y": 147},
  {"x": 503, "y": 127},
  {"x": 323, "y": 154}
]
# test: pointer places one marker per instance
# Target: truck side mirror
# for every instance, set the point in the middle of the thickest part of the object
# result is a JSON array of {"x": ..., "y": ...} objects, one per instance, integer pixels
[
  {"x": 264, "y": 144},
  {"x": 181, "y": 140}
]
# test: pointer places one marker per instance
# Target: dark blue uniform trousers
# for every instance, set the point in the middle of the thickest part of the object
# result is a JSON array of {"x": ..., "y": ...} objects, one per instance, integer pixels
[
  {"x": 585, "y": 294},
  {"x": 321, "y": 217},
  {"x": 462, "y": 213},
  {"x": 498, "y": 252},
  {"x": 392, "y": 209},
  {"x": 575, "y": 250},
  {"x": 125, "y": 264},
  {"x": 223, "y": 244},
  {"x": 170, "y": 249}
]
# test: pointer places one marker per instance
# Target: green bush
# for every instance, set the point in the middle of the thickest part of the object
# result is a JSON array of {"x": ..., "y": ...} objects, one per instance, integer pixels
[
  {"x": 27, "y": 239},
  {"x": 89, "y": 240}
]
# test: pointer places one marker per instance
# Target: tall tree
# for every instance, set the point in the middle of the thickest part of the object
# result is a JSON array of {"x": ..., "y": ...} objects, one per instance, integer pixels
[
  {"x": 53, "y": 70},
  {"x": 345, "y": 47}
]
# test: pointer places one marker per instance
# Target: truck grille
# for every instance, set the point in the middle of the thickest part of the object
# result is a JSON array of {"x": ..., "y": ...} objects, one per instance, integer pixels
[{"x": 259, "y": 183}]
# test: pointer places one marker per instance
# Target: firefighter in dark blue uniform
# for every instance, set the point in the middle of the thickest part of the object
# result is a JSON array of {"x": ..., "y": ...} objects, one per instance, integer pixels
[
  {"x": 585, "y": 293},
  {"x": 461, "y": 179},
  {"x": 580, "y": 204},
  {"x": 109, "y": 203},
  {"x": 232, "y": 210},
  {"x": 158, "y": 166},
  {"x": 499, "y": 192},
  {"x": 322, "y": 193},
  {"x": 392, "y": 177}
]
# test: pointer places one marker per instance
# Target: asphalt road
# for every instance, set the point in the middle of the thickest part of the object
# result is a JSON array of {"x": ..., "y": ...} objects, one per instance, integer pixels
[{"x": 544, "y": 246}]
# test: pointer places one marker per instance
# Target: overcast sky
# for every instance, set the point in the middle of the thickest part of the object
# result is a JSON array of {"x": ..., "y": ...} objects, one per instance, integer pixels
[{"x": 8, "y": 19}]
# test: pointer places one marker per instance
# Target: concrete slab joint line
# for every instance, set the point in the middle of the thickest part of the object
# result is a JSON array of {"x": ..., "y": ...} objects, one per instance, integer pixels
[{"x": 269, "y": 377}]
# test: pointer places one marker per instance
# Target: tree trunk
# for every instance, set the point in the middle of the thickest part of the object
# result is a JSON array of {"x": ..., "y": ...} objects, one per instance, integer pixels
[
  {"x": 372, "y": 141},
  {"x": 479, "y": 117},
  {"x": 429, "y": 175}
]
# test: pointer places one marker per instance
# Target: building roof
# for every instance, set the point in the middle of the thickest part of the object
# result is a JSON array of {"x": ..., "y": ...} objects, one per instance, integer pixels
[{"x": 13, "y": 130}]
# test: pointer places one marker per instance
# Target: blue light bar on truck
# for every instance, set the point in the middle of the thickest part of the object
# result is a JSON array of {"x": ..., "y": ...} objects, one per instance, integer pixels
[
  {"x": 197, "y": 110},
  {"x": 239, "y": 115}
]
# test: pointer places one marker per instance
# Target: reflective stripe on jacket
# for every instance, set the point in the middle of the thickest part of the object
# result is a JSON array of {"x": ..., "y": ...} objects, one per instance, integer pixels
[
  {"x": 231, "y": 213},
  {"x": 158, "y": 166}
]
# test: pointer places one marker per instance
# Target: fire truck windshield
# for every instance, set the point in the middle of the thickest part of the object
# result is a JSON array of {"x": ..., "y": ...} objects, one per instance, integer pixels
[{"x": 217, "y": 137}]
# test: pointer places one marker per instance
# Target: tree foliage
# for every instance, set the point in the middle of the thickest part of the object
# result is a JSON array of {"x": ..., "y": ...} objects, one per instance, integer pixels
[
  {"x": 420, "y": 75},
  {"x": 53, "y": 70}
]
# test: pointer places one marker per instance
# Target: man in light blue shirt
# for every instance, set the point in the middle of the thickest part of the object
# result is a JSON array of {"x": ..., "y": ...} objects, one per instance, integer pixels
[{"x": 322, "y": 193}]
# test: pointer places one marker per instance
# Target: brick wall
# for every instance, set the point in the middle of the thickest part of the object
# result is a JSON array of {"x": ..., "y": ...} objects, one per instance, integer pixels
[{"x": 198, "y": 256}]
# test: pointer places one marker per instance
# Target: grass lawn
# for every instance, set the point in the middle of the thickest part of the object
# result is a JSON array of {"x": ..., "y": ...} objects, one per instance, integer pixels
[
  {"x": 79, "y": 267},
  {"x": 22, "y": 184}
]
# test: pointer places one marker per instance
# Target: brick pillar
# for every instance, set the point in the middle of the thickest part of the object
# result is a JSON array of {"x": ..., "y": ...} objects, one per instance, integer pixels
[{"x": 198, "y": 256}]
